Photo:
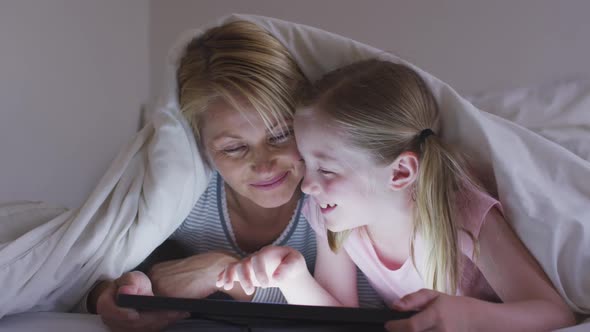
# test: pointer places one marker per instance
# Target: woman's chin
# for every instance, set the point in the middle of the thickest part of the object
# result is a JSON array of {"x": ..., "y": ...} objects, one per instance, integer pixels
[{"x": 274, "y": 200}]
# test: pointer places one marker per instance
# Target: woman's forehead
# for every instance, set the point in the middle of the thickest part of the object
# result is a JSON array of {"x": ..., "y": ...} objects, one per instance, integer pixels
[{"x": 224, "y": 119}]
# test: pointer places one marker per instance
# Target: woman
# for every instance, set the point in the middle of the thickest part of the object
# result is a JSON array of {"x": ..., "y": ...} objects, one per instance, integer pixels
[{"x": 237, "y": 87}]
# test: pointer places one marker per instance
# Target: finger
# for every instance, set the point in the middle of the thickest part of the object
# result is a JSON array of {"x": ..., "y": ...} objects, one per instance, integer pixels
[
  {"x": 244, "y": 276},
  {"x": 220, "y": 279},
  {"x": 288, "y": 265},
  {"x": 125, "y": 319},
  {"x": 132, "y": 318},
  {"x": 422, "y": 321},
  {"x": 137, "y": 280},
  {"x": 259, "y": 270},
  {"x": 107, "y": 308},
  {"x": 268, "y": 261},
  {"x": 225, "y": 276},
  {"x": 229, "y": 276},
  {"x": 416, "y": 301}
]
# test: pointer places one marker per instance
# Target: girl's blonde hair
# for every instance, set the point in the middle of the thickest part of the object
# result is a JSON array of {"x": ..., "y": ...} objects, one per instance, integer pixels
[
  {"x": 382, "y": 108},
  {"x": 238, "y": 62}
]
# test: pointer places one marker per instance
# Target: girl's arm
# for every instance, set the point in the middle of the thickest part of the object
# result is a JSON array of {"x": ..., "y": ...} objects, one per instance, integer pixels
[
  {"x": 336, "y": 273},
  {"x": 333, "y": 284},
  {"x": 285, "y": 267},
  {"x": 530, "y": 301}
]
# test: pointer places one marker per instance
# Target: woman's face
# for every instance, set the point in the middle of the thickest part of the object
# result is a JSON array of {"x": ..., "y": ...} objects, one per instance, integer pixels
[{"x": 257, "y": 163}]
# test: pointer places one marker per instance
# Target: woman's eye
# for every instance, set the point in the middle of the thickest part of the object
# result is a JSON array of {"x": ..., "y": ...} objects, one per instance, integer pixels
[
  {"x": 325, "y": 172},
  {"x": 282, "y": 138},
  {"x": 234, "y": 150}
]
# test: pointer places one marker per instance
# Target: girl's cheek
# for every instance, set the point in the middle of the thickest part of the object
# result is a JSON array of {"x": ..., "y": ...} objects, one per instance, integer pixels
[{"x": 327, "y": 186}]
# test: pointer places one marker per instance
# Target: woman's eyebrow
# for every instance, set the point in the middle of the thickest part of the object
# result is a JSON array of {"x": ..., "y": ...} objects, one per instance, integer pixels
[
  {"x": 282, "y": 125},
  {"x": 223, "y": 136}
]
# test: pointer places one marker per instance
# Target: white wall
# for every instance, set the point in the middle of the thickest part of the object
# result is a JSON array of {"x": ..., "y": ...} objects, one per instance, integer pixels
[
  {"x": 74, "y": 73},
  {"x": 73, "y": 76},
  {"x": 473, "y": 45}
]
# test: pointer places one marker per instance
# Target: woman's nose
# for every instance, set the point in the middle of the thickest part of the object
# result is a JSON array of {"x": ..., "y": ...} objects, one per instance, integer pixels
[{"x": 263, "y": 162}]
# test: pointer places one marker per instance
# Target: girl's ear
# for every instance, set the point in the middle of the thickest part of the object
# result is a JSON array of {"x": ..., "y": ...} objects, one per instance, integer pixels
[{"x": 403, "y": 171}]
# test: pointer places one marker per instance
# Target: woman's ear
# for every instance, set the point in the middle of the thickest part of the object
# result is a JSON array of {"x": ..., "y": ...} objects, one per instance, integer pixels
[{"x": 403, "y": 171}]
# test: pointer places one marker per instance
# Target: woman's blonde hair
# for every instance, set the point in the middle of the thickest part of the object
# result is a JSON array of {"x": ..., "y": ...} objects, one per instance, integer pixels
[
  {"x": 238, "y": 62},
  {"x": 382, "y": 108}
]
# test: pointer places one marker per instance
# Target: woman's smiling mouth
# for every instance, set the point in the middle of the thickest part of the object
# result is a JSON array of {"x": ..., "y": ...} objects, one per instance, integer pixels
[{"x": 272, "y": 183}]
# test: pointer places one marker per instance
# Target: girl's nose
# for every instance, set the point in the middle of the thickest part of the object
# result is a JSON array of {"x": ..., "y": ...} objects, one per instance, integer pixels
[{"x": 309, "y": 186}]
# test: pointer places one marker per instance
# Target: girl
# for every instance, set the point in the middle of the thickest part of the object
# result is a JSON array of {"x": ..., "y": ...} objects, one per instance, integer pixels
[{"x": 386, "y": 194}]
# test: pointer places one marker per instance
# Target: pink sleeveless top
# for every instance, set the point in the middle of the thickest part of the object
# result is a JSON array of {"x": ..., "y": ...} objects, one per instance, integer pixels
[{"x": 394, "y": 284}]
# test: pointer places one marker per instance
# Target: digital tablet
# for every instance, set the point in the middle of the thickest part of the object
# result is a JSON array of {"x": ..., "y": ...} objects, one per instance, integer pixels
[{"x": 264, "y": 314}]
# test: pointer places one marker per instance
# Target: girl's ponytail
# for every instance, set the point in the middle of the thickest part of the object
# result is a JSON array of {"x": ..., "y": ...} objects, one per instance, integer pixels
[{"x": 441, "y": 176}]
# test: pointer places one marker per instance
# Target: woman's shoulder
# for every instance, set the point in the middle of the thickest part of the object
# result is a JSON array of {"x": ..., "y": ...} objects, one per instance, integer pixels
[{"x": 207, "y": 206}]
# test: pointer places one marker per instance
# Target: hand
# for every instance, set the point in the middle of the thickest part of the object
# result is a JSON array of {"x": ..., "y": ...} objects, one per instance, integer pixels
[
  {"x": 192, "y": 277},
  {"x": 126, "y": 319},
  {"x": 438, "y": 312},
  {"x": 272, "y": 266}
]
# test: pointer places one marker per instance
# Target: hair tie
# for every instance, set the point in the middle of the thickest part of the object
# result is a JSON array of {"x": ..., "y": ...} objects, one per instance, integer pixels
[{"x": 425, "y": 133}]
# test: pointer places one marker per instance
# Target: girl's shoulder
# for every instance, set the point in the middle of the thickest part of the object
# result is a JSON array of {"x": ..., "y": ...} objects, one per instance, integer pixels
[
  {"x": 312, "y": 214},
  {"x": 473, "y": 206}
]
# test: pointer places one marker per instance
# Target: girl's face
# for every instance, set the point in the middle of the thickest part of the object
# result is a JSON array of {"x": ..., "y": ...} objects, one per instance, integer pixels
[
  {"x": 260, "y": 165},
  {"x": 350, "y": 188}
]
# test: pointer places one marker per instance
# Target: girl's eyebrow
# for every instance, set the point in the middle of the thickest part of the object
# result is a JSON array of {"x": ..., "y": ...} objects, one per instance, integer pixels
[{"x": 322, "y": 156}]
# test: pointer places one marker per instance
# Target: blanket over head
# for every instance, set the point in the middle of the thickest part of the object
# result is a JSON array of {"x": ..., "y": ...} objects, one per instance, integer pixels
[{"x": 49, "y": 258}]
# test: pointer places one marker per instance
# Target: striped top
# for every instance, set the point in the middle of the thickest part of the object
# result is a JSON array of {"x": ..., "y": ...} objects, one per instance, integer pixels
[{"x": 208, "y": 228}]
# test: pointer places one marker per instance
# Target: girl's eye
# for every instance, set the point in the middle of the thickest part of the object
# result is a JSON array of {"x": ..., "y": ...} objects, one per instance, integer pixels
[
  {"x": 325, "y": 172},
  {"x": 282, "y": 138}
]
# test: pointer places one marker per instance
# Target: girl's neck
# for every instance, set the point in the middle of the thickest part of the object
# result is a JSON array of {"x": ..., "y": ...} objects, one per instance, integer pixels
[{"x": 391, "y": 235}]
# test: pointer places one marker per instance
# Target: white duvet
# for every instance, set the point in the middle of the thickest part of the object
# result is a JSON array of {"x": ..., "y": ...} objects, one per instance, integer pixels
[{"x": 49, "y": 258}]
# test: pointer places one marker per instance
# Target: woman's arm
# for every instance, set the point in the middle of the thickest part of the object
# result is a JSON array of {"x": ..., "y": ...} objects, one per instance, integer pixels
[{"x": 193, "y": 277}]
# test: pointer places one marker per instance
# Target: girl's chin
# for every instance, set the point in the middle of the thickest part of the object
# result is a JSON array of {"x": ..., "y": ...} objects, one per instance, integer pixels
[
  {"x": 340, "y": 227},
  {"x": 337, "y": 228}
]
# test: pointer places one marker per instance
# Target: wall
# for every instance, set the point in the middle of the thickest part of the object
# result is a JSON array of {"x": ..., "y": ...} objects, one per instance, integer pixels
[
  {"x": 473, "y": 45},
  {"x": 74, "y": 73},
  {"x": 73, "y": 77}
]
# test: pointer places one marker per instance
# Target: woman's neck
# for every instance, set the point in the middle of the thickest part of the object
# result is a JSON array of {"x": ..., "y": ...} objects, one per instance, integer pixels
[
  {"x": 391, "y": 235},
  {"x": 254, "y": 226},
  {"x": 256, "y": 215}
]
